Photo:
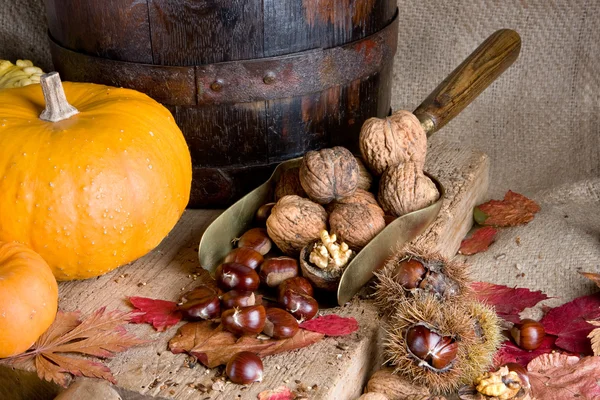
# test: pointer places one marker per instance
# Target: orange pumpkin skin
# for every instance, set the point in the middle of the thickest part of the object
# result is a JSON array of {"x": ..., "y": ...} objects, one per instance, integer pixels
[
  {"x": 97, "y": 190},
  {"x": 28, "y": 298}
]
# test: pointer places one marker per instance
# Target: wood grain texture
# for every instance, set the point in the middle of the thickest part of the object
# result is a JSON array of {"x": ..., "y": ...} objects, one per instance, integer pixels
[
  {"x": 192, "y": 32},
  {"x": 338, "y": 366},
  {"x": 115, "y": 29}
]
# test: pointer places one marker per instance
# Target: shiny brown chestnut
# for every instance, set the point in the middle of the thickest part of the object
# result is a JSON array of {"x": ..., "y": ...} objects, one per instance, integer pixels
[
  {"x": 244, "y": 368},
  {"x": 300, "y": 305},
  {"x": 257, "y": 239},
  {"x": 238, "y": 298},
  {"x": 245, "y": 256},
  {"x": 409, "y": 273},
  {"x": 263, "y": 213},
  {"x": 297, "y": 284},
  {"x": 198, "y": 309},
  {"x": 425, "y": 344},
  {"x": 200, "y": 292},
  {"x": 529, "y": 334},
  {"x": 280, "y": 324},
  {"x": 521, "y": 371},
  {"x": 274, "y": 271},
  {"x": 236, "y": 276},
  {"x": 244, "y": 321}
]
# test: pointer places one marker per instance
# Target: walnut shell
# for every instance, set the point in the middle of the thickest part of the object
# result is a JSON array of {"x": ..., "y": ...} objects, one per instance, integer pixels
[
  {"x": 329, "y": 174},
  {"x": 356, "y": 224},
  {"x": 392, "y": 140},
  {"x": 365, "y": 179},
  {"x": 323, "y": 279},
  {"x": 359, "y": 197},
  {"x": 404, "y": 188},
  {"x": 289, "y": 183},
  {"x": 394, "y": 386},
  {"x": 294, "y": 222}
]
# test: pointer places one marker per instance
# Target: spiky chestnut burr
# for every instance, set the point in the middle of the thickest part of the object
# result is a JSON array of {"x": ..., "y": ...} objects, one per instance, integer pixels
[
  {"x": 414, "y": 271},
  {"x": 424, "y": 328}
]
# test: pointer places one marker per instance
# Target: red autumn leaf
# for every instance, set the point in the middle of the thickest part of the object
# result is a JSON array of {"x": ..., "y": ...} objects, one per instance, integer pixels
[
  {"x": 331, "y": 325},
  {"x": 592, "y": 276},
  {"x": 281, "y": 393},
  {"x": 515, "y": 209},
  {"x": 161, "y": 314},
  {"x": 213, "y": 346},
  {"x": 508, "y": 302},
  {"x": 559, "y": 376},
  {"x": 569, "y": 323},
  {"x": 478, "y": 242},
  {"x": 511, "y": 353}
]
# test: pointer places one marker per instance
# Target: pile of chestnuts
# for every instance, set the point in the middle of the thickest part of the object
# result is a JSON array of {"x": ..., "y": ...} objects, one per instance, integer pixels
[{"x": 242, "y": 311}]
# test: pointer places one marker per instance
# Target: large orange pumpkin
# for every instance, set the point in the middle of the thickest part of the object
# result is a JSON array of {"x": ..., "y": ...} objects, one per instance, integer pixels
[
  {"x": 93, "y": 191},
  {"x": 28, "y": 298}
]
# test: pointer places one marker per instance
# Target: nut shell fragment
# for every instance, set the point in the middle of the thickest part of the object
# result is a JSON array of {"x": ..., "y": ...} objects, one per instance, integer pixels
[
  {"x": 294, "y": 222},
  {"x": 329, "y": 174},
  {"x": 405, "y": 188}
]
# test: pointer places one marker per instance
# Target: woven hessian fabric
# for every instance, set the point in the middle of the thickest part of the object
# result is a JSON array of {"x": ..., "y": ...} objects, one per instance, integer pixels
[{"x": 540, "y": 123}]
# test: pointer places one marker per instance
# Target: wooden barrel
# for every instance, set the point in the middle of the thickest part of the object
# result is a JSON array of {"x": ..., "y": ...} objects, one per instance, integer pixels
[{"x": 251, "y": 83}]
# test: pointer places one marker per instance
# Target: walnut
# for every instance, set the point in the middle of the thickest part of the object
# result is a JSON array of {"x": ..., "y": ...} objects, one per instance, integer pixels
[
  {"x": 365, "y": 179},
  {"x": 289, "y": 183},
  {"x": 323, "y": 261},
  {"x": 329, "y": 174},
  {"x": 294, "y": 222},
  {"x": 356, "y": 224},
  {"x": 404, "y": 188},
  {"x": 392, "y": 140},
  {"x": 395, "y": 386},
  {"x": 502, "y": 384}
]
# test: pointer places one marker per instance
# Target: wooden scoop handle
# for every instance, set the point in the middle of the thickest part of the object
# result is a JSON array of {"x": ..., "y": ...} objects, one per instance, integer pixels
[{"x": 469, "y": 79}]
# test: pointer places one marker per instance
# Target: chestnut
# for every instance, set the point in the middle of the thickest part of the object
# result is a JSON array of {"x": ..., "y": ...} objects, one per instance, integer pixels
[
  {"x": 280, "y": 324},
  {"x": 425, "y": 344},
  {"x": 299, "y": 305},
  {"x": 244, "y": 368},
  {"x": 409, "y": 273},
  {"x": 245, "y": 256},
  {"x": 245, "y": 320},
  {"x": 236, "y": 276},
  {"x": 529, "y": 334},
  {"x": 297, "y": 284},
  {"x": 263, "y": 213},
  {"x": 521, "y": 371},
  {"x": 274, "y": 271},
  {"x": 200, "y": 292},
  {"x": 257, "y": 239},
  {"x": 208, "y": 307},
  {"x": 238, "y": 298}
]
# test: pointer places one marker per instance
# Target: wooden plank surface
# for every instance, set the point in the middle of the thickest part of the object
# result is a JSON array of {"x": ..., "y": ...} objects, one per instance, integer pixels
[{"x": 335, "y": 368}]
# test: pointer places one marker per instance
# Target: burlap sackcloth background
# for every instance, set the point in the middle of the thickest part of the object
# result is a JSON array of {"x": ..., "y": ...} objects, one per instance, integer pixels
[{"x": 539, "y": 123}]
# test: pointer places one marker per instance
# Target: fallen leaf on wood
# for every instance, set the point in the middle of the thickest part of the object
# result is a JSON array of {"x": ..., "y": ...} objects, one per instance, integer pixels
[
  {"x": 281, "y": 393},
  {"x": 558, "y": 376},
  {"x": 569, "y": 323},
  {"x": 478, "y": 242},
  {"x": 508, "y": 302},
  {"x": 213, "y": 346},
  {"x": 515, "y": 209},
  {"x": 594, "y": 337},
  {"x": 511, "y": 353},
  {"x": 592, "y": 276},
  {"x": 101, "y": 335},
  {"x": 331, "y": 325},
  {"x": 161, "y": 314}
]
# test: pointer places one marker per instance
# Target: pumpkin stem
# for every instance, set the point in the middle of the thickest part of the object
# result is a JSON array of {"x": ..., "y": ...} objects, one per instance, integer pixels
[{"x": 57, "y": 106}]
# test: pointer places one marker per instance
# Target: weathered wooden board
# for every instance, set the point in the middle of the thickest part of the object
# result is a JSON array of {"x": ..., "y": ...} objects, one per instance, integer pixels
[{"x": 335, "y": 368}]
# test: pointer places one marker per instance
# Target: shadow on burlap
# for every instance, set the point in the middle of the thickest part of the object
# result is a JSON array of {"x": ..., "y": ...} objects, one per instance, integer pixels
[{"x": 539, "y": 123}]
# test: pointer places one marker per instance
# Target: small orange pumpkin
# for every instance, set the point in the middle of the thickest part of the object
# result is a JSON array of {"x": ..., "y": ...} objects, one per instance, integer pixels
[
  {"x": 92, "y": 187},
  {"x": 28, "y": 298}
]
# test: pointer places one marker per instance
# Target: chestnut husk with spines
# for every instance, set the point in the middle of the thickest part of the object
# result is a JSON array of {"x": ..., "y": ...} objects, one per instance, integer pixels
[
  {"x": 447, "y": 319},
  {"x": 449, "y": 276}
]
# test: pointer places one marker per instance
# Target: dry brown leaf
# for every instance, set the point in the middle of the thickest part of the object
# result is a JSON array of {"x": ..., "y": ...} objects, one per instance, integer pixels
[
  {"x": 558, "y": 376},
  {"x": 213, "y": 346},
  {"x": 514, "y": 209},
  {"x": 592, "y": 276},
  {"x": 101, "y": 335},
  {"x": 594, "y": 336}
]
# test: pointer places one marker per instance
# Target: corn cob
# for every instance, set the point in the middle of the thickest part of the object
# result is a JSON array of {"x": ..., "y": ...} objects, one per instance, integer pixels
[{"x": 22, "y": 74}]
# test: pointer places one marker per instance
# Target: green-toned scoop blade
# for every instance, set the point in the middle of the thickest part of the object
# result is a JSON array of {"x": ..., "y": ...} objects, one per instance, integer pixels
[
  {"x": 401, "y": 231},
  {"x": 216, "y": 241}
]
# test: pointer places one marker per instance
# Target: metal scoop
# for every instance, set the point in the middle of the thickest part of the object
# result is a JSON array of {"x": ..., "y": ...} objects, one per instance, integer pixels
[{"x": 456, "y": 92}]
